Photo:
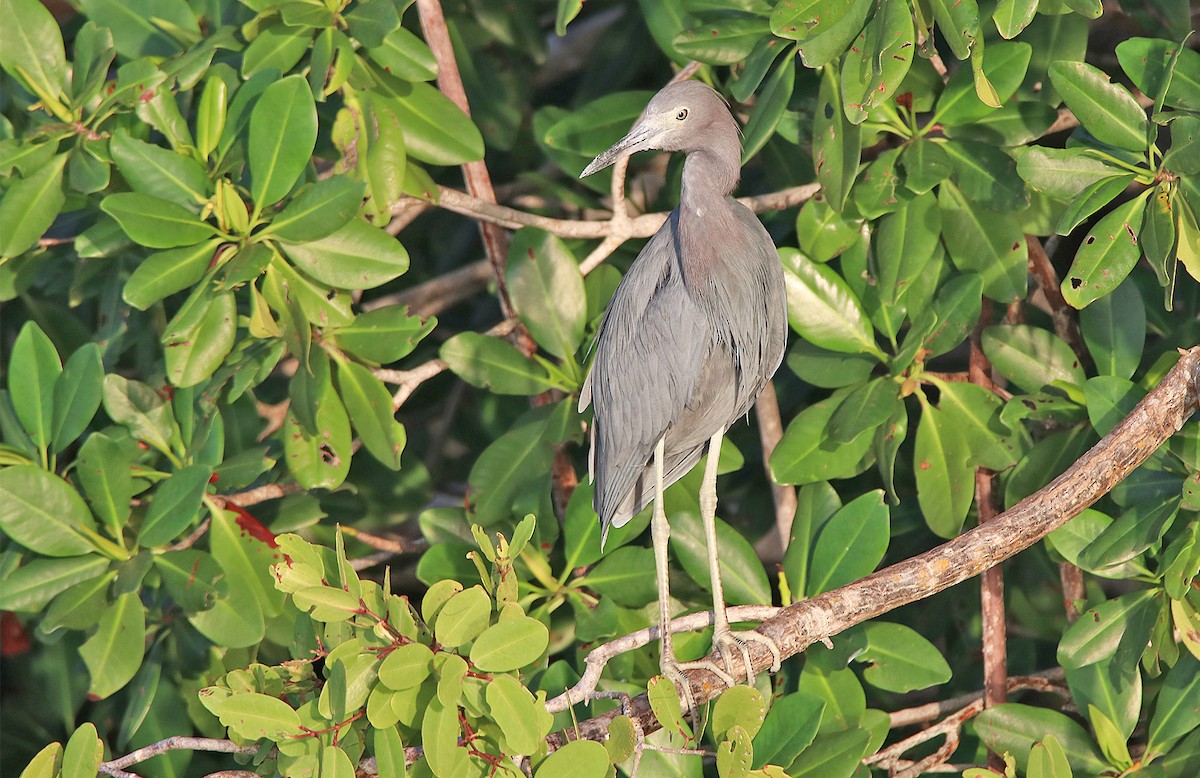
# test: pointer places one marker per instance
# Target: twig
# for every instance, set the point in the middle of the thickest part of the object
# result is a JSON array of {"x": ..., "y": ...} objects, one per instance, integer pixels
[
  {"x": 1073, "y": 593},
  {"x": 965, "y": 708},
  {"x": 261, "y": 494},
  {"x": 1063, "y": 316},
  {"x": 991, "y": 583},
  {"x": 1046, "y": 681},
  {"x": 478, "y": 180},
  {"x": 436, "y": 295},
  {"x": 1159, "y": 415},
  {"x": 409, "y": 380},
  {"x": 770, "y": 429},
  {"x": 116, "y": 766},
  {"x": 392, "y": 545},
  {"x": 600, "y": 656}
]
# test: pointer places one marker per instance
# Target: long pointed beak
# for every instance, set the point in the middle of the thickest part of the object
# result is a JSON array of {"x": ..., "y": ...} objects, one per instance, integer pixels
[{"x": 632, "y": 142}]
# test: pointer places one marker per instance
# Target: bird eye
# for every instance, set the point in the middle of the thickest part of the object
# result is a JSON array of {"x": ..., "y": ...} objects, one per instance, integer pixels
[{"x": 682, "y": 114}]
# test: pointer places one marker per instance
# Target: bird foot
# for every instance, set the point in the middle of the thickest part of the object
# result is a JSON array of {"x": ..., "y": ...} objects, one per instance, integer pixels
[
  {"x": 730, "y": 644},
  {"x": 674, "y": 671}
]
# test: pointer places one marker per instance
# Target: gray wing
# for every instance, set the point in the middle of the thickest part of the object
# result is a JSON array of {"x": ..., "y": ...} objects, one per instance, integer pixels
[{"x": 650, "y": 353}]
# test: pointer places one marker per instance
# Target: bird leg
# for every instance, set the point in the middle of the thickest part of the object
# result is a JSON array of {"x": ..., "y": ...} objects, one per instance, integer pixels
[
  {"x": 725, "y": 640},
  {"x": 660, "y": 533}
]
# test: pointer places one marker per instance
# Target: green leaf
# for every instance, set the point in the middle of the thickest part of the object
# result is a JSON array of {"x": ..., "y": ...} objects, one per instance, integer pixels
[
  {"x": 833, "y": 754},
  {"x": 769, "y": 108},
  {"x": 1062, "y": 173},
  {"x": 906, "y": 241},
  {"x": 33, "y": 371},
  {"x": 976, "y": 412},
  {"x": 1014, "y": 123},
  {"x": 837, "y": 27},
  {"x": 739, "y": 706},
  {"x": 900, "y": 659},
  {"x": 1090, "y": 199},
  {"x": 522, "y": 719},
  {"x": 1114, "y": 329},
  {"x": 742, "y": 575},
  {"x": 1147, "y": 62},
  {"x": 1097, "y": 634},
  {"x": 43, "y": 513},
  {"x": 463, "y": 617},
  {"x": 83, "y": 753},
  {"x": 77, "y": 394},
  {"x": 251, "y": 715},
  {"x": 1048, "y": 760},
  {"x": 320, "y": 458},
  {"x": 1031, "y": 357},
  {"x": 30, "y": 206},
  {"x": 1108, "y": 253},
  {"x": 104, "y": 474},
  {"x": 174, "y": 506},
  {"x": 140, "y": 408},
  {"x": 406, "y": 667},
  {"x": 1176, "y": 713},
  {"x": 626, "y": 576},
  {"x": 283, "y": 133},
  {"x": 318, "y": 211},
  {"x": 161, "y": 173},
  {"x": 38, "y": 581},
  {"x": 865, "y": 408},
  {"x": 959, "y": 23},
  {"x": 547, "y": 291},
  {"x": 1114, "y": 691},
  {"x": 114, "y": 653},
  {"x": 988, "y": 176},
  {"x": 577, "y": 759},
  {"x": 1004, "y": 66},
  {"x": 237, "y": 618},
  {"x": 139, "y": 26},
  {"x": 1133, "y": 532},
  {"x": 806, "y": 455},
  {"x": 1014, "y": 728},
  {"x": 276, "y": 47},
  {"x": 200, "y": 336},
  {"x": 493, "y": 364},
  {"x": 193, "y": 578},
  {"x": 158, "y": 224},
  {"x": 957, "y": 309},
  {"x": 828, "y": 369},
  {"x": 982, "y": 241},
  {"x": 822, "y": 232},
  {"x": 356, "y": 256},
  {"x": 384, "y": 334},
  {"x": 727, "y": 40},
  {"x": 31, "y": 49},
  {"x": 405, "y": 56},
  {"x": 945, "y": 478},
  {"x": 435, "y": 129},
  {"x": 510, "y": 645},
  {"x": 850, "y": 544},
  {"x": 164, "y": 273},
  {"x": 878, "y": 60},
  {"x": 822, "y": 307},
  {"x": 789, "y": 728},
  {"x": 1106, "y": 110},
  {"x": 370, "y": 407},
  {"x": 1013, "y": 16},
  {"x": 925, "y": 165},
  {"x": 837, "y": 143}
]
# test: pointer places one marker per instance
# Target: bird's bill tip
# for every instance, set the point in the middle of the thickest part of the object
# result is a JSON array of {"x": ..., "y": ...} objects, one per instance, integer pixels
[{"x": 638, "y": 139}]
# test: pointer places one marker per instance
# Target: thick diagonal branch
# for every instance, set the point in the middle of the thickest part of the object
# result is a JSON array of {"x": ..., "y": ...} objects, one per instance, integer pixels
[{"x": 1155, "y": 419}]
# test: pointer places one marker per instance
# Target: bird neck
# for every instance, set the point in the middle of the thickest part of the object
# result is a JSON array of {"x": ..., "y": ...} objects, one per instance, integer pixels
[{"x": 710, "y": 173}]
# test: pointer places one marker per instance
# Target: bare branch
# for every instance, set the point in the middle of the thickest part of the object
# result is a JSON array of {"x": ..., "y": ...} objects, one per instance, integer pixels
[
  {"x": 116, "y": 766},
  {"x": 1159, "y": 415},
  {"x": 478, "y": 180},
  {"x": 770, "y": 429}
]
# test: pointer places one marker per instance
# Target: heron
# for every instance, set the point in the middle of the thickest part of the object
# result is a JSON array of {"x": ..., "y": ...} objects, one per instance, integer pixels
[{"x": 693, "y": 333}]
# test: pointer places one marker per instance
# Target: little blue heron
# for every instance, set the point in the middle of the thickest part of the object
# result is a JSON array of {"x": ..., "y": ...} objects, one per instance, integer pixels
[{"x": 693, "y": 333}]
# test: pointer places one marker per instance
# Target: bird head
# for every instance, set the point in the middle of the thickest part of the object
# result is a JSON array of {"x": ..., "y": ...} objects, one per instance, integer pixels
[{"x": 675, "y": 119}]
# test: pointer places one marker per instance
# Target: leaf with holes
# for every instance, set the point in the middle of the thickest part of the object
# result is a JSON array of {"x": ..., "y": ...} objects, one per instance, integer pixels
[{"x": 1108, "y": 253}]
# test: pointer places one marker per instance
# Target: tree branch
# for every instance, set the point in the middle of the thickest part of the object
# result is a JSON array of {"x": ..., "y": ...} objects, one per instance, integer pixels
[{"x": 1159, "y": 415}]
